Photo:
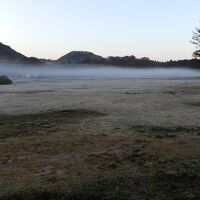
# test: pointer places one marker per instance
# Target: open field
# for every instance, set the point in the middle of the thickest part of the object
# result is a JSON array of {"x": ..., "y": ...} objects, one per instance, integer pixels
[{"x": 100, "y": 139}]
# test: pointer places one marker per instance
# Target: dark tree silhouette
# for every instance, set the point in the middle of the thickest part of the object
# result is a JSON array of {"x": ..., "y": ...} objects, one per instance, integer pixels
[{"x": 196, "y": 42}]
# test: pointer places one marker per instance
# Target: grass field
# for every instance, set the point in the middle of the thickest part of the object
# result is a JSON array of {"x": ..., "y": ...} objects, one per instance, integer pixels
[{"x": 47, "y": 156}]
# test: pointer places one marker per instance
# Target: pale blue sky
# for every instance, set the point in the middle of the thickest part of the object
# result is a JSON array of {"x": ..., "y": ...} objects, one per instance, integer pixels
[{"x": 159, "y": 29}]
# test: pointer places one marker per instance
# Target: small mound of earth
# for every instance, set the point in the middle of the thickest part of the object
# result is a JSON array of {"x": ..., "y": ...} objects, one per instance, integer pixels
[{"x": 4, "y": 80}]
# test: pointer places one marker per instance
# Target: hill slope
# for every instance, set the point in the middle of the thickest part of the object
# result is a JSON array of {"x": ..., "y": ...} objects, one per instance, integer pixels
[
  {"x": 80, "y": 57},
  {"x": 9, "y": 54}
]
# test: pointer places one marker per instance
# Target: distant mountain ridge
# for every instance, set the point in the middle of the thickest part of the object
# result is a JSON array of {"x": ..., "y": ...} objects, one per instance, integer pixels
[{"x": 84, "y": 57}]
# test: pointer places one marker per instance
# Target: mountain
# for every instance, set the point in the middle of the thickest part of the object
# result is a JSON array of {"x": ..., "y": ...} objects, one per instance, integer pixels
[
  {"x": 81, "y": 57},
  {"x": 8, "y": 54}
]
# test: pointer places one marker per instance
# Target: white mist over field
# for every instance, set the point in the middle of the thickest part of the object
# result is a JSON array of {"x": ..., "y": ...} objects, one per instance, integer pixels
[{"x": 27, "y": 72}]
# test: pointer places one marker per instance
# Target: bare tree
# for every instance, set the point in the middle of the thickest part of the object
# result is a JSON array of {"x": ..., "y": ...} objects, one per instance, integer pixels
[{"x": 196, "y": 42}]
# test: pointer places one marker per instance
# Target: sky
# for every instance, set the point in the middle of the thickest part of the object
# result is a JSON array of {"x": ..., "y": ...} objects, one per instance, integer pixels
[{"x": 158, "y": 29}]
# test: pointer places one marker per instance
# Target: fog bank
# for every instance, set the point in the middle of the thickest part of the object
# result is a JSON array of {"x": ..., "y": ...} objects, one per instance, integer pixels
[{"x": 28, "y": 72}]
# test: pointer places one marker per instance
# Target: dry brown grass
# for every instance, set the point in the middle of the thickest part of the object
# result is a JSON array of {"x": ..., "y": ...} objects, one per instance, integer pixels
[
  {"x": 187, "y": 89},
  {"x": 48, "y": 152}
]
